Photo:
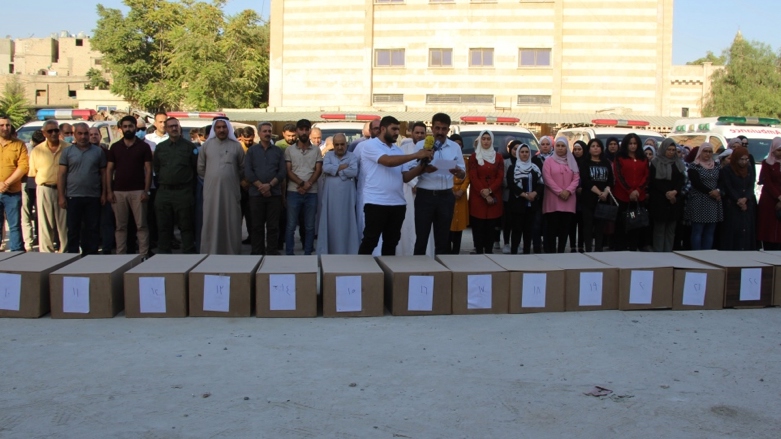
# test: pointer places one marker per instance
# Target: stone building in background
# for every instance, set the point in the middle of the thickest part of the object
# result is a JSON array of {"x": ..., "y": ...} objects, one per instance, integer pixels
[
  {"x": 53, "y": 70},
  {"x": 536, "y": 56}
]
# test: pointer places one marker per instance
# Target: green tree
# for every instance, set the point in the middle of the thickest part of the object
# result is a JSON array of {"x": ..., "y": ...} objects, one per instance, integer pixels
[
  {"x": 185, "y": 54},
  {"x": 96, "y": 80},
  {"x": 748, "y": 85},
  {"x": 711, "y": 58},
  {"x": 14, "y": 104}
]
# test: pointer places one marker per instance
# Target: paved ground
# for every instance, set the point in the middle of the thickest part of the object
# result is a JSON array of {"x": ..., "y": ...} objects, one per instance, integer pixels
[{"x": 673, "y": 375}]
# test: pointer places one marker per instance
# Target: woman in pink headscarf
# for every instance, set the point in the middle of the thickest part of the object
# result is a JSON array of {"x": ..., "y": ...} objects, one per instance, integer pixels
[
  {"x": 769, "y": 227},
  {"x": 561, "y": 176}
]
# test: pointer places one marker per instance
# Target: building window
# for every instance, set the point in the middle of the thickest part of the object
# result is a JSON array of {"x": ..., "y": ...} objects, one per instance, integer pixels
[
  {"x": 387, "y": 98},
  {"x": 79, "y": 42},
  {"x": 540, "y": 100},
  {"x": 460, "y": 99},
  {"x": 98, "y": 62},
  {"x": 10, "y": 68},
  {"x": 389, "y": 58},
  {"x": 440, "y": 57},
  {"x": 534, "y": 58},
  {"x": 481, "y": 57},
  {"x": 684, "y": 112},
  {"x": 71, "y": 93},
  {"x": 39, "y": 93}
]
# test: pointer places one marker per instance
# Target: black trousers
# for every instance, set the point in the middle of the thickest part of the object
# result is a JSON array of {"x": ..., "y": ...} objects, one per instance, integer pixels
[
  {"x": 593, "y": 230},
  {"x": 385, "y": 221},
  {"x": 558, "y": 224},
  {"x": 522, "y": 226},
  {"x": 483, "y": 231},
  {"x": 264, "y": 217},
  {"x": 433, "y": 208},
  {"x": 625, "y": 239},
  {"x": 83, "y": 219},
  {"x": 455, "y": 242}
]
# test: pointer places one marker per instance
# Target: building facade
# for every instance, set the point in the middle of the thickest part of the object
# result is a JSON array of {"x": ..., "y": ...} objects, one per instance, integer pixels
[
  {"x": 557, "y": 56},
  {"x": 53, "y": 70}
]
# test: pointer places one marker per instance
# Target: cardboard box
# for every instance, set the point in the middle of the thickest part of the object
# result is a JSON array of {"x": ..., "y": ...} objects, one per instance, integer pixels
[
  {"x": 223, "y": 286},
  {"x": 535, "y": 285},
  {"x": 645, "y": 280},
  {"x": 696, "y": 285},
  {"x": 589, "y": 284},
  {"x": 416, "y": 285},
  {"x": 772, "y": 258},
  {"x": 9, "y": 255},
  {"x": 287, "y": 286},
  {"x": 90, "y": 288},
  {"x": 24, "y": 283},
  {"x": 748, "y": 283},
  {"x": 480, "y": 286},
  {"x": 352, "y": 286},
  {"x": 158, "y": 287}
]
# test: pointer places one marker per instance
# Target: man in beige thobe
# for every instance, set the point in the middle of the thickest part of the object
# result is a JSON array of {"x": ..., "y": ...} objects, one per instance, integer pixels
[
  {"x": 221, "y": 165},
  {"x": 44, "y": 163}
]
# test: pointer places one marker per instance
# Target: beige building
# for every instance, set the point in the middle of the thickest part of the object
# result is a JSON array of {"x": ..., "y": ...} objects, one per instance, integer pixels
[
  {"x": 53, "y": 70},
  {"x": 541, "y": 56}
]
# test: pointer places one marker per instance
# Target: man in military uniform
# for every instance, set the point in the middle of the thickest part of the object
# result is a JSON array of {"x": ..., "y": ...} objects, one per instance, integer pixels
[{"x": 175, "y": 162}]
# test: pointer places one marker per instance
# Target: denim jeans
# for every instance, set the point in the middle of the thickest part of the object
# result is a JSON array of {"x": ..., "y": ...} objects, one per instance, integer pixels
[
  {"x": 702, "y": 235},
  {"x": 295, "y": 203},
  {"x": 11, "y": 211}
]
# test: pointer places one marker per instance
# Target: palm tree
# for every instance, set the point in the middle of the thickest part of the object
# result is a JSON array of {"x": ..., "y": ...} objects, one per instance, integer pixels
[{"x": 14, "y": 104}]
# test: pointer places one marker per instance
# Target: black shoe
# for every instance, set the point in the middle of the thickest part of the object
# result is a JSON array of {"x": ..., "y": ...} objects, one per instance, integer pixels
[{"x": 176, "y": 245}]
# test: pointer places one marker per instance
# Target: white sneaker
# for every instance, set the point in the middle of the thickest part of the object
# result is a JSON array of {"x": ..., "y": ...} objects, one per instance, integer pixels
[
  {"x": 497, "y": 246},
  {"x": 506, "y": 249}
]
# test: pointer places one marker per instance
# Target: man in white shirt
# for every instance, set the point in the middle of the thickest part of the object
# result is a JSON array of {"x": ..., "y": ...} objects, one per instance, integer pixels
[
  {"x": 383, "y": 194},
  {"x": 153, "y": 138},
  {"x": 434, "y": 199},
  {"x": 159, "y": 134}
]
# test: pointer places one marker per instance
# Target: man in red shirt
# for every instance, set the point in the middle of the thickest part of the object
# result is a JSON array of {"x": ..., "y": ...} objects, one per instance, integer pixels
[{"x": 128, "y": 179}]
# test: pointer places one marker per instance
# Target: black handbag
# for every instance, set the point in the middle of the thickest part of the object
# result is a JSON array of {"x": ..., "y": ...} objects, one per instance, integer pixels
[
  {"x": 607, "y": 211},
  {"x": 636, "y": 217}
]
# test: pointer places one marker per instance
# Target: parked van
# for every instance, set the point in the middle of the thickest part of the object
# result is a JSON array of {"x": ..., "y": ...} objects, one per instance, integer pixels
[
  {"x": 607, "y": 128},
  {"x": 718, "y": 131}
]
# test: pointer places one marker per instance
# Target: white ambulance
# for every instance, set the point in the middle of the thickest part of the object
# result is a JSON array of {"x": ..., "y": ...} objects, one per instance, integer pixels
[{"x": 718, "y": 131}]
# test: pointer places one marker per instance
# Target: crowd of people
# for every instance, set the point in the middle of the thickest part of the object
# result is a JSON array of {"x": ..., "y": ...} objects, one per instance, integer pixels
[{"x": 376, "y": 195}]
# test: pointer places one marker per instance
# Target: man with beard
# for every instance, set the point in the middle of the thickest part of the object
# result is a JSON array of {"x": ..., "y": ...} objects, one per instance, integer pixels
[
  {"x": 383, "y": 192},
  {"x": 304, "y": 166},
  {"x": 13, "y": 167},
  {"x": 81, "y": 190},
  {"x": 128, "y": 179},
  {"x": 221, "y": 164},
  {"x": 434, "y": 199}
]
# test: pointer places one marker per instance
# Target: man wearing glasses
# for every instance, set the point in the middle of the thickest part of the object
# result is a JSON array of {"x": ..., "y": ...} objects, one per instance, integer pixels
[
  {"x": 13, "y": 167},
  {"x": 44, "y": 163}
]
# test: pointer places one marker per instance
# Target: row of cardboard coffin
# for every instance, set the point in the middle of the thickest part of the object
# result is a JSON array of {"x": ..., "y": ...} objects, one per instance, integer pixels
[{"x": 33, "y": 284}]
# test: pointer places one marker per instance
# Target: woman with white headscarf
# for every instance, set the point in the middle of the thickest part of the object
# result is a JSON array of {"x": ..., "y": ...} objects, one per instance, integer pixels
[
  {"x": 221, "y": 165},
  {"x": 525, "y": 201},
  {"x": 561, "y": 176},
  {"x": 768, "y": 224},
  {"x": 486, "y": 169},
  {"x": 703, "y": 202}
]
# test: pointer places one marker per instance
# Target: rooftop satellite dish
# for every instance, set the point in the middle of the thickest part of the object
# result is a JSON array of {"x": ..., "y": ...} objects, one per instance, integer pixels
[{"x": 64, "y": 34}]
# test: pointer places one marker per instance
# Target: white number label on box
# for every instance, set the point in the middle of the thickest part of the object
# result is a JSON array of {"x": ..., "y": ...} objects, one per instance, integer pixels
[
  {"x": 750, "y": 284},
  {"x": 10, "y": 291},
  {"x": 75, "y": 295},
  {"x": 216, "y": 293},
  {"x": 348, "y": 294},
  {"x": 590, "y": 289},
  {"x": 479, "y": 293},
  {"x": 420, "y": 295},
  {"x": 641, "y": 285},
  {"x": 282, "y": 292},
  {"x": 694, "y": 289},
  {"x": 533, "y": 292},
  {"x": 151, "y": 294}
]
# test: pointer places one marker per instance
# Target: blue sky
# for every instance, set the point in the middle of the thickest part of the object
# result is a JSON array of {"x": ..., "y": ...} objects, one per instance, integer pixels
[{"x": 699, "y": 25}]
